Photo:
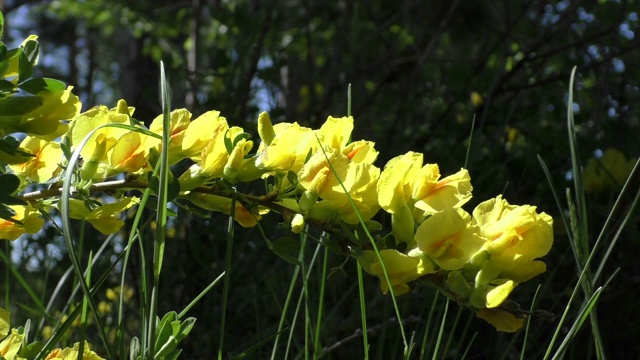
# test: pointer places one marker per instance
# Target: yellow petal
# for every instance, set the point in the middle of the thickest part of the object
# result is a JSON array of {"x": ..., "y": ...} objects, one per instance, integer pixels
[
  {"x": 394, "y": 185},
  {"x": 11, "y": 344},
  {"x": 199, "y": 132},
  {"x": 433, "y": 196},
  {"x": 5, "y": 322},
  {"x": 449, "y": 238},
  {"x": 501, "y": 320},
  {"x": 524, "y": 272},
  {"x": 335, "y": 132}
]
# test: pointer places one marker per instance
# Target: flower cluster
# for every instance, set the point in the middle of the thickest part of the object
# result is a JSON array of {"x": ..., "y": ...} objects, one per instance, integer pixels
[
  {"x": 481, "y": 257},
  {"x": 315, "y": 176}
]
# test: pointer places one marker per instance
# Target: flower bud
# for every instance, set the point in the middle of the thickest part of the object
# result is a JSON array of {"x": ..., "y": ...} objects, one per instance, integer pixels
[
  {"x": 458, "y": 284},
  {"x": 265, "y": 128},
  {"x": 297, "y": 223}
]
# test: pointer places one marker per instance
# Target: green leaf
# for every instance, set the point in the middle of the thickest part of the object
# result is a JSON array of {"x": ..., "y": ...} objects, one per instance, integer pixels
[
  {"x": 287, "y": 248},
  {"x": 4, "y": 66},
  {"x": 19, "y": 105},
  {"x": 31, "y": 49},
  {"x": 164, "y": 332},
  {"x": 6, "y": 86},
  {"x": 185, "y": 328},
  {"x": 8, "y": 184},
  {"x": 25, "y": 67},
  {"x": 12, "y": 200},
  {"x": 31, "y": 350},
  {"x": 134, "y": 348},
  {"x": 34, "y": 86},
  {"x": 173, "y": 188},
  {"x": 8, "y": 213},
  {"x": 3, "y": 51},
  {"x": 1, "y": 24},
  {"x": 227, "y": 143}
]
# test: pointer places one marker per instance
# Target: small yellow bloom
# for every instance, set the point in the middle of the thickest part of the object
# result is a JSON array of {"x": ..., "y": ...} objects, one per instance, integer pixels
[
  {"x": 47, "y": 332},
  {"x": 361, "y": 151},
  {"x": 321, "y": 177},
  {"x": 287, "y": 150},
  {"x": 104, "y": 218},
  {"x": 245, "y": 217},
  {"x": 86, "y": 122},
  {"x": 44, "y": 165},
  {"x": 199, "y": 132},
  {"x": 400, "y": 267},
  {"x": 395, "y": 183},
  {"x": 131, "y": 152},
  {"x": 236, "y": 160},
  {"x": 10, "y": 345},
  {"x": 449, "y": 238},
  {"x": 44, "y": 121},
  {"x": 213, "y": 158},
  {"x": 335, "y": 133},
  {"x": 28, "y": 216},
  {"x": 492, "y": 295},
  {"x": 5, "y": 322},
  {"x": 179, "y": 122},
  {"x": 72, "y": 353},
  {"x": 515, "y": 234},
  {"x": 432, "y": 194},
  {"x": 611, "y": 171}
]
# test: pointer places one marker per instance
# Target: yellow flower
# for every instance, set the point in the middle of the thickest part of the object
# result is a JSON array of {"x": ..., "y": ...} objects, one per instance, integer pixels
[
  {"x": 432, "y": 194},
  {"x": 501, "y": 320},
  {"x": 515, "y": 235},
  {"x": 611, "y": 171},
  {"x": 5, "y": 322},
  {"x": 199, "y": 132},
  {"x": 323, "y": 180},
  {"x": 103, "y": 218},
  {"x": 44, "y": 121},
  {"x": 361, "y": 151},
  {"x": 287, "y": 150},
  {"x": 131, "y": 152},
  {"x": 72, "y": 353},
  {"x": 395, "y": 183},
  {"x": 114, "y": 150},
  {"x": 335, "y": 133},
  {"x": 179, "y": 122},
  {"x": 28, "y": 216},
  {"x": 449, "y": 238},
  {"x": 44, "y": 165},
  {"x": 492, "y": 295},
  {"x": 400, "y": 267},
  {"x": 245, "y": 217},
  {"x": 213, "y": 158},
  {"x": 236, "y": 161},
  {"x": 10, "y": 345},
  {"x": 320, "y": 178}
]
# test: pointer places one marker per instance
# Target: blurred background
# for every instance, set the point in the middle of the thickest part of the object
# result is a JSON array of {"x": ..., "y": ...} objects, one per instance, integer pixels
[{"x": 421, "y": 72}]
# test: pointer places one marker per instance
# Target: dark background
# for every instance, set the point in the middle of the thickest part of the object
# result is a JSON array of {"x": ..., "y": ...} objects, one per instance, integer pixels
[{"x": 420, "y": 71}]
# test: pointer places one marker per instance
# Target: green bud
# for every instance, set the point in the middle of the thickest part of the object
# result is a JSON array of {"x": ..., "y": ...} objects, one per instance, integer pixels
[
  {"x": 458, "y": 284},
  {"x": 265, "y": 128},
  {"x": 306, "y": 202},
  {"x": 487, "y": 273},
  {"x": 403, "y": 225},
  {"x": 297, "y": 223}
]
